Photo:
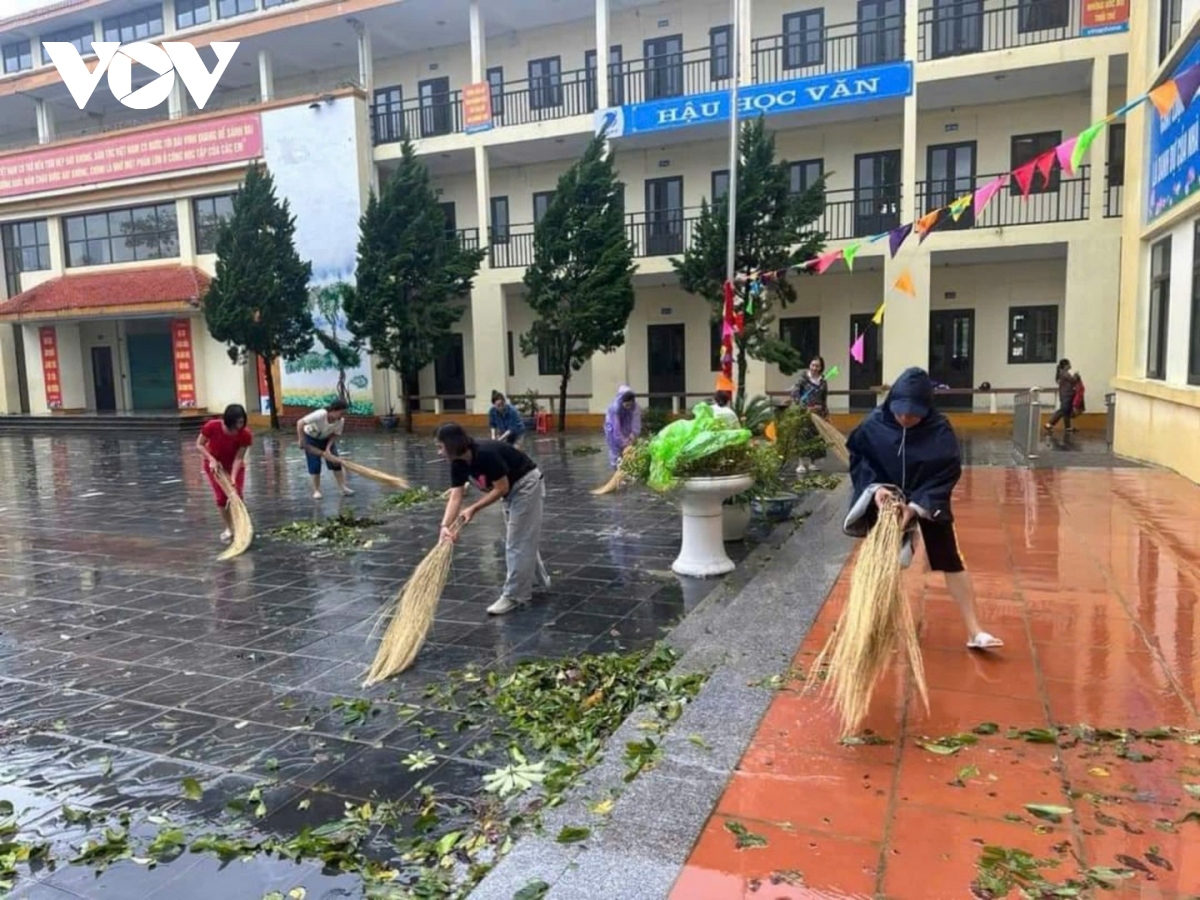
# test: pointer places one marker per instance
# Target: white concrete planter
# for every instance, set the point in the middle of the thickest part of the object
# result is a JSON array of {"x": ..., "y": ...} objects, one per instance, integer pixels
[
  {"x": 700, "y": 499},
  {"x": 735, "y": 519}
]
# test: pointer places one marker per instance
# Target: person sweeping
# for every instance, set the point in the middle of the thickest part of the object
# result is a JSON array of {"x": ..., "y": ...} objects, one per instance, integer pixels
[
  {"x": 317, "y": 435},
  {"x": 622, "y": 423},
  {"x": 504, "y": 421},
  {"x": 504, "y": 474},
  {"x": 905, "y": 457},
  {"x": 223, "y": 443}
]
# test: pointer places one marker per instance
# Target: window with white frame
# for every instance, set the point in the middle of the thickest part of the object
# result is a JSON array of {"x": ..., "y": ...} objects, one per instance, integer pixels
[
  {"x": 1032, "y": 334},
  {"x": 17, "y": 57},
  {"x": 121, "y": 235},
  {"x": 81, "y": 36},
  {"x": 137, "y": 25}
]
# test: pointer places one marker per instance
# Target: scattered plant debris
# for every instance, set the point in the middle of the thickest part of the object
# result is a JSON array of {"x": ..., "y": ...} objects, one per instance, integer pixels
[
  {"x": 343, "y": 531},
  {"x": 744, "y": 838},
  {"x": 406, "y": 499}
]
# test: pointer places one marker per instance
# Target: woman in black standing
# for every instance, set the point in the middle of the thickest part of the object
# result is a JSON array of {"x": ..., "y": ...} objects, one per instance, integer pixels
[{"x": 1067, "y": 382}]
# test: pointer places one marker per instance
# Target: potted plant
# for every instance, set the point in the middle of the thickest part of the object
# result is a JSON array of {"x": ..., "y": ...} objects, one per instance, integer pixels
[
  {"x": 390, "y": 421},
  {"x": 764, "y": 467},
  {"x": 702, "y": 462},
  {"x": 795, "y": 438},
  {"x": 529, "y": 408}
]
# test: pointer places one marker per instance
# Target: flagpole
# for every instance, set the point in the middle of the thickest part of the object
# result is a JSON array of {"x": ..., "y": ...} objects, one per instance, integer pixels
[{"x": 731, "y": 195}]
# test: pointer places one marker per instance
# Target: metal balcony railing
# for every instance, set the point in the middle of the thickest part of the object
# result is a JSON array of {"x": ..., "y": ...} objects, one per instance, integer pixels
[
  {"x": 669, "y": 75},
  {"x": 511, "y": 247},
  {"x": 962, "y": 27},
  {"x": 666, "y": 232},
  {"x": 469, "y": 238},
  {"x": 836, "y": 48},
  {"x": 417, "y": 118},
  {"x": 1114, "y": 192},
  {"x": 860, "y": 212},
  {"x": 559, "y": 96},
  {"x": 1062, "y": 200}
]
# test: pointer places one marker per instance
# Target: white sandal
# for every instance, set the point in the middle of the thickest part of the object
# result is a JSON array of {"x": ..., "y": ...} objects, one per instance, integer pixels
[{"x": 984, "y": 641}]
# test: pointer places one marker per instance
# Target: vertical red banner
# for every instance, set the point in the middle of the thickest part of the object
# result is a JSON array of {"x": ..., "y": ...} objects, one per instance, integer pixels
[
  {"x": 50, "y": 366},
  {"x": 264, "y": 397},
  {"x": 185, "y": 372}
]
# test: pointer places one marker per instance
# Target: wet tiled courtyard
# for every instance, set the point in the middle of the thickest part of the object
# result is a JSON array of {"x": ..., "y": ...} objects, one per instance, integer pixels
[{"x": 132, "y": 661}]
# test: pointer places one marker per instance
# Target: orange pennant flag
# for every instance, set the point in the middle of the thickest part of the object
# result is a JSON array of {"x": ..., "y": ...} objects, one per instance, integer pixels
[
  {"x": 1164, "y": 96},
  {"x": 926, "y": 222},
  {"x": 905, "y": 285}
]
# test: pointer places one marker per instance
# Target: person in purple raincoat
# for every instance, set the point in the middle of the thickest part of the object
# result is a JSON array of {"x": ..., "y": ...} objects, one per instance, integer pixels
[{"x": 622, "y": 423}]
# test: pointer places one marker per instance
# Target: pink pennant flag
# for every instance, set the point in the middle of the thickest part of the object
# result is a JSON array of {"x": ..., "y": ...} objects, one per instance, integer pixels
[
  {"x": 1024, "y": 176},
  {"x": 825, "y": 260},
  {"x": 984, "y": 195},
  {"x": 857, "y": 352},
  {"x": 1064, "y": 151}
]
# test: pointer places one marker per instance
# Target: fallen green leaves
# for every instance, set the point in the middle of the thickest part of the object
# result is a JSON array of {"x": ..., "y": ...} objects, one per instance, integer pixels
[
  {"x": 343, "y": 531},
  {"x": 948, "y": 745},
  {"x": 1048, "y": 811},
  {"x": 1002, "y": 870},
  {"x": 744, "y": 838},
  {"x": 406, "y": 499},
  {"x": 572, "y": 834}
]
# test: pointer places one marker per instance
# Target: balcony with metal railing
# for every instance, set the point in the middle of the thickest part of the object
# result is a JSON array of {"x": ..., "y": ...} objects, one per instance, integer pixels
[
  {"x": 961, "y": 27},
  {"x": 1114, "y": 191},
  {"x": 1057, "y": 200},
  {"x": 860, "y": 212},
  {"x": 822, "y": 51}
]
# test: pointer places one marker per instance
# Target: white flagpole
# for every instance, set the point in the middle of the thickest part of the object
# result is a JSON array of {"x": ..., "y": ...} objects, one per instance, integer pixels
[{"x": 731, "y": 195}]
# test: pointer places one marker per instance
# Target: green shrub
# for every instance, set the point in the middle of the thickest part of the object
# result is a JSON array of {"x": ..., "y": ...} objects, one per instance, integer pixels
[{"x": 654, "y": 420}]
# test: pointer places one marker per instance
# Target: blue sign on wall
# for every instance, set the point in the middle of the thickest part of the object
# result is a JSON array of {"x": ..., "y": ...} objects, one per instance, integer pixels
[
  {"x": 1174, "y": 157},
  {"x": 818, "y": 92}
]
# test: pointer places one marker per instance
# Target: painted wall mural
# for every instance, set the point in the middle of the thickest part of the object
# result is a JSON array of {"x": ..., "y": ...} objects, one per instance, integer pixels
[{"x": 301, "y": 154}]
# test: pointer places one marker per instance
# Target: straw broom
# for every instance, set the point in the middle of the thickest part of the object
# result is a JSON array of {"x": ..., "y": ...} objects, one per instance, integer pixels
[
  {"x": 834, "y": 438},
  {"x": 243, "y": 528},
  {"x": 412, "y": 613},
  {"x": 618, "y": 477},
  {"x": 875, "y": 623},
  {"x": 392, "y": 481}
]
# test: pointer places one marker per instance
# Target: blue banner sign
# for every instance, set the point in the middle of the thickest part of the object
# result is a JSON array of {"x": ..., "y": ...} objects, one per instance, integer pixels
[
  {"x": 1174, "y": 150},
  {"x": 821, "y": 91}
]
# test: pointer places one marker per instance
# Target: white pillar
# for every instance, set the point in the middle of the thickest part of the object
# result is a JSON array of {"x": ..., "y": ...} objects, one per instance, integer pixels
[
  {"x": 168, "y": 12},
  {"x": 366, "y": 61},
  {"x": 483, "y": 202},
  {"x": 478, "y": 42},
  {"x": 10, "y": 391},
  {"x": 1090, "y": 304},
  {"x": 906, "y": 319},
  {"x": 45, "y": 122},
  {"x": 1098, "y": 186},
  {"x": 602, "y": 45},
  {"x": 266, "y": 77},
  {"x": 489, "y": 329},
  {"x": 177, "y": 104},
  {"x": 910, "y": 152}
]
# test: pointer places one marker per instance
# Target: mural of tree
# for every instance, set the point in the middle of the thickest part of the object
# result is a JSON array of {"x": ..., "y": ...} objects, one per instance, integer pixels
[{"x": 330, "y": 302}]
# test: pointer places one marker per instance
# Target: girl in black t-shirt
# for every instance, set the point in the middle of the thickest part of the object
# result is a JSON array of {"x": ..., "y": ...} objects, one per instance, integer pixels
[{"x": 501, "y": 472}]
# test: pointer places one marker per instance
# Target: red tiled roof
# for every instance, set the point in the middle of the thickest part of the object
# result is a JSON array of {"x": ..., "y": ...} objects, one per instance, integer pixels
[{"x": 150, "y": 285}]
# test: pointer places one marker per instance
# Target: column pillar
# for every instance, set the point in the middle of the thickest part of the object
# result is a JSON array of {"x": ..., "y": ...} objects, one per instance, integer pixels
[
  {"x": 266, "y": 77},
  {"x": 602, "y": 44},
  {"x": 489, "y": 330},
  {"x": 910, "y": 152},
  {"x": 906, "y": 319},
  {"x": 1098, "y": 184},
  {"x": 45, "y": 122},
  {"x": 478, "y": 42},
  {"x": 169, "y": 18},
  {"x": 10, "y": 391},
  {"x": 1090, "y": 308},
  {"x": 366, "y": 61}
]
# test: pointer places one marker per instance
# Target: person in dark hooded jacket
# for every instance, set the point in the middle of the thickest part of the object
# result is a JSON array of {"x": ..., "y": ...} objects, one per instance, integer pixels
[{"x": 905, "y": 450}]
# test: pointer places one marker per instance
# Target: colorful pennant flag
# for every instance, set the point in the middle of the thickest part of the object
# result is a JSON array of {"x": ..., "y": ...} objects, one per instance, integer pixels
[
  {"x": 927, "y": 223},
  {"x": 857, "y": 350},
  {"x": 1164, "y": 96},
  {"x": 1086, "y": 137},
  {"x": 725, "y": 383},
  {"x": 878, "y": 317},
  {"x": 984, "y": 195},
  {"x": 1188, "y": 82},
  {"x": 1064, "y": 152},
  {"x": 897, "y": 236},
  {"x": 1024, "y": 176},
  {"x": 905, "y": 285},
  {"x": 1045, "y": 164},
  {"x": 832, "y": 373},
  {"x": 825, "y": 260},
  {"x": 849, "y": 253},
  {"x": 959, "y": 206}
]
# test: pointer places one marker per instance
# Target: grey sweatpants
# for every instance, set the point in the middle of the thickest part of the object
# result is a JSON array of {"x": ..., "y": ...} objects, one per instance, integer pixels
[{"x": 523, "y": 521}]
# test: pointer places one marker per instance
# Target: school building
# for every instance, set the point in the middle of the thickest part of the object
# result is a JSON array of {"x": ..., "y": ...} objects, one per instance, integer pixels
[{"x": 108, "y": 214}]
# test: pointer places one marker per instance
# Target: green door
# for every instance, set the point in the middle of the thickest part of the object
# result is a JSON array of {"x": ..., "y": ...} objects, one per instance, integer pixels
[{"x": 151, "y": 371}]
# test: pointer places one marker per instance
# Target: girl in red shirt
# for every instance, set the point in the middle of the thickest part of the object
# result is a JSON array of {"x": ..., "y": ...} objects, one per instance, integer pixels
[{"x": 223, "y": 442}]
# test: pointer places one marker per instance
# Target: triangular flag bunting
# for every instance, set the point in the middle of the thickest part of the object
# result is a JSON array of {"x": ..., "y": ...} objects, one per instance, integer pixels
[
  {"x": 849, "y": 253},
  {"x": 1085, "y": 141},
  {"x": 897, "y": 236},
  {"x": 1164, "y": 96},
  {"x": 959, "y": 206},
  {"x": 1188, "y": 82},
  {"x": 724, "y": 383},
  {"x": 1045, "y": 164},
  {"x": 878, "y": 317},
  {"x": 825, "y": 260},
  {"x": 856, "y": 349},
  {"x": 1064, "y": 152},
  {"x": 832, "y": 373},
  {"x": 1024, "y": 176},
  {"x": 927, "y": 223},
  {"x": 905, "y": 285},
  {"x": 984, "y": 195}
]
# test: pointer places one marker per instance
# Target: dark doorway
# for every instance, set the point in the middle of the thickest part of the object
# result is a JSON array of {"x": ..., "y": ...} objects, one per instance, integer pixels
[
  {"x": 450, "y": 375},
  {"x": 950, "y": 174},
  {"x": 152, "y": 370},
  {"x": 22, "y": 375},
  {"x": 869, "y": 373},
  {"x": 412, "y": 393},
  {"x": 102, "y": 378},
  {"x": 876, "y": 192},
  {"x": 450, "y": 216},
  {"x": 435, "y": 106},
  {"x": 957, "y": 27},
  {"x": 664, "y": 67},
  {"x": 880, "y": 32},
  {"x": 666, "y": 359},
  {"x": 952, "y": 354},
  {"x": 664, "y": 216}
]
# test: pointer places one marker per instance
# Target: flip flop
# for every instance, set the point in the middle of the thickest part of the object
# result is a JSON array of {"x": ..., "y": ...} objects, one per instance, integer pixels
[{"x": 984, "y": 641}]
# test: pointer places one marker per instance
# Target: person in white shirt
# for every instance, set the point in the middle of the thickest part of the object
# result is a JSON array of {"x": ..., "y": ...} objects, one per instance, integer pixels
[
  {"x": 723, "y": 411},
  {"x": 320, "y": 430}
]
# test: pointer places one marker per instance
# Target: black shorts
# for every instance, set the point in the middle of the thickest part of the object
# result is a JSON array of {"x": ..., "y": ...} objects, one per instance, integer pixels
[{"x": 941, "y": 546}]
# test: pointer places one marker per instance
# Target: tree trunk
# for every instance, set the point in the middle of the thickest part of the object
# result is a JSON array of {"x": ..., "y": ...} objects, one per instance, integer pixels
[
  {"x": 562, "y": 400},
  {"x": 740, "y": 347},
  {"x": 269, "y": 368}
]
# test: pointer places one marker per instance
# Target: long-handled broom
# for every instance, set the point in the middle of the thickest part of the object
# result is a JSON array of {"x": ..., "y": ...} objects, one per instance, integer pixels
[
  {"x": 243, "y": 528},
  {"x": 834, "y": 438},
  {"x": 875, "y": 623},
  {"x": 618, "y": 477},
  {"x": 392, "y": 481},
  {"x": 412, "y": 613}
]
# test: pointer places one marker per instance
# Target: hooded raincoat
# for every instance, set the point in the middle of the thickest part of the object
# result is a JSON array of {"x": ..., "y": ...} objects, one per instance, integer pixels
[
  {"x": 922, "y": 463},
  {"x": 621, "y": 425}
]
